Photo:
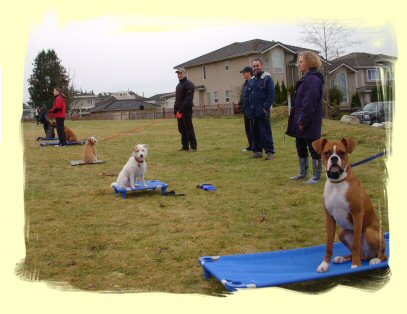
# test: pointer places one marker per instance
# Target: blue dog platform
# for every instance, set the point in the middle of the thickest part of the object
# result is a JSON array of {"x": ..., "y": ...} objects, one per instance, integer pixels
[
  {"x": 57, "y": 143},
  {"x": 277, "y": 268},
  {"x": 151, "y": 185},
  {"x": 46, "y": 138}
]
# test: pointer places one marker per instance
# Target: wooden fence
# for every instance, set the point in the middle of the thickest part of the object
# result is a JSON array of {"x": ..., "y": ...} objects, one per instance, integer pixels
[{"x": 199, "y": 111}]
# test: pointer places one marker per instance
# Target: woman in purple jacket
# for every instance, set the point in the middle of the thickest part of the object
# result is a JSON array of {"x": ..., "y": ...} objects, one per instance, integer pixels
[{"x": 305, "y": 121}]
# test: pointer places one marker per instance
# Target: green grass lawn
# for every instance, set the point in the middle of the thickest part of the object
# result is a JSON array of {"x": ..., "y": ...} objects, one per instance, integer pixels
[{"x": 82, "y": 234}]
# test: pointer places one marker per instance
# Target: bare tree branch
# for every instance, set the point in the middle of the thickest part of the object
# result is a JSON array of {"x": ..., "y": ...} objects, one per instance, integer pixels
[{"x": 330, "y": 38}]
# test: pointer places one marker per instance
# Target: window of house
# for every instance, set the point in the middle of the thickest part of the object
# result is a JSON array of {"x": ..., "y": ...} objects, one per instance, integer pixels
[
  {"x": 227, "y": 95},
  {"x": 373, "y": 74},
  {"x": 267, "y": 65},
  {"x": 278, "y": 64},
  {"x": 226, "y": 65},
  {"x": 215, "y": 97},
  {"x": 332, "y": 83},
  {"x": 204, "y": 72},
  {"x": 208, "y": 96},
  {"x": 343, "y": 86}
]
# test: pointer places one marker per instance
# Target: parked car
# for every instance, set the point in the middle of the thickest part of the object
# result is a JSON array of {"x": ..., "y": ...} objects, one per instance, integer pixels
[{"x": 373, "y": 112}]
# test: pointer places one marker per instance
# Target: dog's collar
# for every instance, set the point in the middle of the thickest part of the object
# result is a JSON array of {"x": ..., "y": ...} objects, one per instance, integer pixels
[{"x": 139, "y": 162}]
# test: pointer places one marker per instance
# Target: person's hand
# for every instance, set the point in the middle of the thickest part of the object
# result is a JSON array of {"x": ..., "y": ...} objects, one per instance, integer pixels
[{"x": 301, "y": 127}]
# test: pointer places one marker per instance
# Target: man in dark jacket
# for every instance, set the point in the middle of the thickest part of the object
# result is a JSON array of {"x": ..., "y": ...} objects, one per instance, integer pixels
[
  {"x": 247, "y": 75},
  {"x": 305, "y": 121},
  {"x": 259, "y": 97},
  {"x": 184, "y": 96}
]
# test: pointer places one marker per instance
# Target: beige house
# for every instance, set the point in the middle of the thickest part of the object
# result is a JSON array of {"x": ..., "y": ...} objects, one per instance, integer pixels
[
  {"x": 217, "y": 76},
  {"x": 83, "y": 102},
  {"x": 360, "y": 72},
  {"x": 164, "y": 100}
]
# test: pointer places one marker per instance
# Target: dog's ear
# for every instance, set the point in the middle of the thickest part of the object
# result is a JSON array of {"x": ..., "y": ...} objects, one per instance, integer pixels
[
  {"x": 318, "y": 145},
  {"x": 350, "y": 144}
]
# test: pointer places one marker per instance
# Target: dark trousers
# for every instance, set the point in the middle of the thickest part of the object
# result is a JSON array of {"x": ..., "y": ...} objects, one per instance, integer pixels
[
  {"x": 61, "y": 131},
  {"x": 262, "y": 136},
  {"x": 186, "y": 129},
  {"x": 247, "y": 129},
  {"x": 303, "y": 145}
]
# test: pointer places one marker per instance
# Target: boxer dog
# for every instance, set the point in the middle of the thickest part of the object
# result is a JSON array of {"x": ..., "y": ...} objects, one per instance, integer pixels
[{"x": 347, "y": 204}]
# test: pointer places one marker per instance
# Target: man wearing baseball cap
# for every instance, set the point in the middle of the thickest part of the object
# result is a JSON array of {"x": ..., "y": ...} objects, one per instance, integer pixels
[
  {"x": 247, "y": 75},
  {"x": 184, "y": 95}
]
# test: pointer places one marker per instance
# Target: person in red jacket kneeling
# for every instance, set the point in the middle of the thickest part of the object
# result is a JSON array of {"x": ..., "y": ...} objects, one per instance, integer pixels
[{"x": 58, "y": 111}]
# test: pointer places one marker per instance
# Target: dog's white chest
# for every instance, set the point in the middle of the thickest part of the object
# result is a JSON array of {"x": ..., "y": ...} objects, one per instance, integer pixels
[{"x": 337, "y": 204}]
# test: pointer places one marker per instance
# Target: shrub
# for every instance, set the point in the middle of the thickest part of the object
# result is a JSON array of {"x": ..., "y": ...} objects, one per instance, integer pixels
[
  {"x": 335, "y": 96},
  {"x": 283, "y": 93},
  {"x": 277, "y": 93},
  {"x": 355, "y": 101}
]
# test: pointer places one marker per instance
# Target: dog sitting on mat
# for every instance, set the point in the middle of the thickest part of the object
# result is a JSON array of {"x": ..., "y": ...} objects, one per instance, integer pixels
[
  {"x": 347, "y": 204},
  {"x": 89, "y": 151},
  {"x": 135, "y": 168},
  {"x": 70, "y": 135}
]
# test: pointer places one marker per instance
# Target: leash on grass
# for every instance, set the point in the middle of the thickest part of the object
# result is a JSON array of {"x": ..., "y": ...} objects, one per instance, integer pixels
[
  {"x": 135, "y": 130},
  {"x": 369, "y": 159}
]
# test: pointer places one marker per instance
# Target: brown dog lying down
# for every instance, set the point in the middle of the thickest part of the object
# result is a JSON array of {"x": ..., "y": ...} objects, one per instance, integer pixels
[
  {"x": 89, "y": 151},
  {"x": 70, "y": 135}
]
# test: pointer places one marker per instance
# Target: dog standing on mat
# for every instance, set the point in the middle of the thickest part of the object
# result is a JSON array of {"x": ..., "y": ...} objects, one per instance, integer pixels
[
  {"x": 89, "y": 151},
  {"x": 135, "y": 168},
  {"x": 347, "y": 204}
]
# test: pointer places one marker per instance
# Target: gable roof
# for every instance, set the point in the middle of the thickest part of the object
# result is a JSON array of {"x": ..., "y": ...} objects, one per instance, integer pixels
[
  {"x": 238, "y": 49},
  {"x": 159, "y": 96},
  {"x": 359, "y": 60},
  {"x": 113, "y": 104}
]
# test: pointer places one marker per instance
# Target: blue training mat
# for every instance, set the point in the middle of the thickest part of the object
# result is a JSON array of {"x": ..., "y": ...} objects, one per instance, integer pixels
[
  {"x": 67, "y": 143},
  {"x": 151, "y": 185},
  {"x": 47, "y": 138},
  {"x": 277, "y": 268}
]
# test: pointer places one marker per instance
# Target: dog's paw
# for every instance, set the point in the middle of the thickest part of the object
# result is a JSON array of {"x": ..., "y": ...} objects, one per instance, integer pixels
[
  {"x": 374, "y": 261},
  {"x": 323, "y": 267},
  {"x": 354, "y": 266},
  {"x": 341, "y": 259}
]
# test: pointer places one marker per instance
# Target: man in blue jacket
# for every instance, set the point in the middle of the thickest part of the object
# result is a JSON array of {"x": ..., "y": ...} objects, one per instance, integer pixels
[{"x": 259, "y": 97}]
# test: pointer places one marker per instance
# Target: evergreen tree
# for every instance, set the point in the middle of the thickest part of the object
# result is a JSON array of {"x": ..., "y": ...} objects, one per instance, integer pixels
[
  {"x": 277, "y": 93},
  {"x": 335, "y": 96},
  {"x": 355, "y": 101},
  {"x": 48, "y": 73},
  {"x": 283, "y": 93}
]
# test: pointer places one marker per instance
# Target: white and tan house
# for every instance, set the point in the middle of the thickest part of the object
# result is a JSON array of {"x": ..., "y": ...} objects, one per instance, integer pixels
[
  {"x": 217, "y": 76},
  {"x": 360, "y": 72}
]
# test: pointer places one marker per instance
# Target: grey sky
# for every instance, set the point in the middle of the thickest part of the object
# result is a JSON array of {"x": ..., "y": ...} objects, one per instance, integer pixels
[{"x": 138, "y": 53}]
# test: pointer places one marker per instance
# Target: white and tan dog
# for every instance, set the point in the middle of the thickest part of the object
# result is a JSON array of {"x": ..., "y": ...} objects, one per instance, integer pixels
[
  {"x": 89, "y": 151},
  {"x": 347, "y": 204},
  {"x": 135, "y": 168}
]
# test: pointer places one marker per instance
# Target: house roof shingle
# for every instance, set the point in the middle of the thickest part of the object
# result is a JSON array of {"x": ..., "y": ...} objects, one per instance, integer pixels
[
  {"x": 112, "y": 104},
  {"x": 237, "y": 49},
  {"x": 357, "y": 60}
]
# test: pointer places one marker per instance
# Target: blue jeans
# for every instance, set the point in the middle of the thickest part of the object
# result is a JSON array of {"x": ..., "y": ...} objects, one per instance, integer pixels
[{"x": 262, "y": 135}]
